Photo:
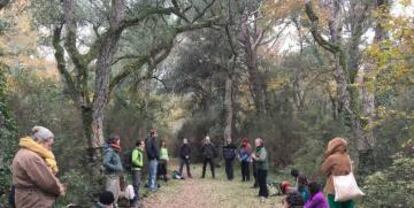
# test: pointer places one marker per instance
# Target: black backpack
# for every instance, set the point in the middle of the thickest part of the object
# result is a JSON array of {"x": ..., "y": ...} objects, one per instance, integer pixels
[{"x": 127, "y": 160}]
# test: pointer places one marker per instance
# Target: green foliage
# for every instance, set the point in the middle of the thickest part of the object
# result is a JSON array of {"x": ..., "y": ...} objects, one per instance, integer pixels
[
  {"x": 7, "y": 137},
  {"x": 391, "y": 187},
  {"x": 82, "y": 188}
]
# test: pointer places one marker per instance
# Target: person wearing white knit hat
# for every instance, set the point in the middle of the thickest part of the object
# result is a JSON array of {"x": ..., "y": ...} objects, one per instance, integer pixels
[{"x": 34, "y": 168}]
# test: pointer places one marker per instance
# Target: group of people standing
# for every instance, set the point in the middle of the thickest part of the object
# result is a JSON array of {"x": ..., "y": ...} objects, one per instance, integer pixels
[
  {"x": 157, "y": 159},
  {"x": 256, "y": 158},
  {"x": 35, "y": 168}
]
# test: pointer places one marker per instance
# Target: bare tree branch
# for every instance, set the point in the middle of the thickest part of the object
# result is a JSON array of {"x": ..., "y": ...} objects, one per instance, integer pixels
[
  {"x": 202, "y": 13},
  {"x": 195, "y": 26},
  {"x": 152, "y": 11},
  {"x": 333, "y": 48},
  {"x": 70, "y": 43},
  {"x": 61, "y": 63}
]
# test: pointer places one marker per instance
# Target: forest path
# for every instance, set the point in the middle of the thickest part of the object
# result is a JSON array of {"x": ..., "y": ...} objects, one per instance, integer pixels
[{"x": 209, "y": 193}]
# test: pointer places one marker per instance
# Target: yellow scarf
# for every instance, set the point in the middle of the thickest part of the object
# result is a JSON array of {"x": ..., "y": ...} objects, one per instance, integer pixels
[{"x": 47, "y": 155}]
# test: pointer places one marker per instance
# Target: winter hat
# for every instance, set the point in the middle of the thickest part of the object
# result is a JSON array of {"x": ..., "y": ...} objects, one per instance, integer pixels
[
  {"x": 337, "y": 144},
  {"x": 106, "y": 198},
  {"x": 40, "y": 133}
]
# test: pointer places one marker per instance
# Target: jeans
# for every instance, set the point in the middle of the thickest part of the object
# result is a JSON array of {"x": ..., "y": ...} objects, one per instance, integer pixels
[
  {"x": 245, "y": 170},
  {"x": 152, "y": 175},
  {"x": 229, "y": 169},
  {"x": 211, "y": 162},
  {"x": 187, "y": 165},
  {"x": 136, "y": 182},
  {"x": 262, "y": 180}
]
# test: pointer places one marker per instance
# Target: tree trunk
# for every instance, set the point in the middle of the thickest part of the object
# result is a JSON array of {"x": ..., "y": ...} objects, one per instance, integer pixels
[
  {"x": 347, "y": 96},
  {"x": 366, "y": 155},
  {"x": 228, "y": 104},
  {"x": 103, "y": 73},
  {"x": 250, "y": 42},
  {"x": 86, "y": 114}
]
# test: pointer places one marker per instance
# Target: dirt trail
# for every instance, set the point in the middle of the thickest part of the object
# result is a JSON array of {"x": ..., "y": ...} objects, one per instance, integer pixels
[{"x": 208, "y": 193}]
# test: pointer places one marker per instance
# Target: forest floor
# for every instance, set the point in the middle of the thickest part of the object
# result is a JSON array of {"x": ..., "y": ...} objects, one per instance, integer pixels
[{"x": 209, "y": 193}]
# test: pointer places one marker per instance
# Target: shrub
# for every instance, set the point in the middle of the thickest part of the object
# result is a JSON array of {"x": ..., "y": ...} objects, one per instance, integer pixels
[{"x": 391, "y": 187}]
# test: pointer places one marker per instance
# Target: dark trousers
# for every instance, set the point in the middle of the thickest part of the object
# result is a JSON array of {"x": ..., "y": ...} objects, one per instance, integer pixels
[
  {"x": 256, "y": 183},
  {"x": 187, "y": 165},
  {"x": 229, "y": 169},
  {"x": 262, "y": 180},
  {"x": 162, "y": 168},
  {"x": 136, "y": 182},
  {"x": 211, "y": 162},
  {"x": 245, "y": 170}
]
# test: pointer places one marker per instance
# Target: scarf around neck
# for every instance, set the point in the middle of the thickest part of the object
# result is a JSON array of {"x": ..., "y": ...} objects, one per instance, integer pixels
[
  {"x": 117, "y": 148},
  {"x": 47, "y": 155}
]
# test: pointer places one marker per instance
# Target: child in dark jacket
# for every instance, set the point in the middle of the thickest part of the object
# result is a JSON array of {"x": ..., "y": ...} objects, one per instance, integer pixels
[
  {"x": 302, "y": 187},
  {"x": 317, "y": 199}
]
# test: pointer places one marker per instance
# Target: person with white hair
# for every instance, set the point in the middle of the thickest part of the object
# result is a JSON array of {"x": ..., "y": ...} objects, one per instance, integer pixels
[
  {"x": 34, "y": 168},
  {"x": 209, "y": 153},
  {"x": 261, "y": 157},
  {"x": 185, "y": 152}
]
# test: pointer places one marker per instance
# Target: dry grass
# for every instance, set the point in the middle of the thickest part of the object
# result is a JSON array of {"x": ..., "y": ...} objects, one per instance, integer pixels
[{"x": 209, "y": 193}]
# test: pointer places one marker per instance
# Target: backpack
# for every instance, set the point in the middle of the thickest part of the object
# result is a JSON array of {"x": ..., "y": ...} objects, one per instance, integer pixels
[
  {"x": 127, "y": 160},
  {"x": 229, "y": 153},
  {"x": 176, "y": 175}
]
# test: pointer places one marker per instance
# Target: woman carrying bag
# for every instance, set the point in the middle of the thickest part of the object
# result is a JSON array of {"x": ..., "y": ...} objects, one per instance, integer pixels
[{"x": 341, "y": 186}]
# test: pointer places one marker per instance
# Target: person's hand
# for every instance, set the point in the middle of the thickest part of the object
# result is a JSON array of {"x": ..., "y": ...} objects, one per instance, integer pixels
[
  {"x": 63, "y": 188},
  {"x": 187, "y": 157},
  {"x": 253, "y": 156}
]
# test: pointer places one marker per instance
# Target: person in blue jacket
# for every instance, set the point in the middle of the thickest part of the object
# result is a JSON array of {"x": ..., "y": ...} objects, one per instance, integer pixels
[{"x": 113, "y": 165}]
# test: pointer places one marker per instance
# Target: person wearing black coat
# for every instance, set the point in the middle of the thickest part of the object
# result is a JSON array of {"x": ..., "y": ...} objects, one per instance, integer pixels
[
  {"x": 153, "y": 153},
  {"x": 209, "y": 153},
  {"x": 229, "y": 154},
  {"x": 185, "y": 152}
]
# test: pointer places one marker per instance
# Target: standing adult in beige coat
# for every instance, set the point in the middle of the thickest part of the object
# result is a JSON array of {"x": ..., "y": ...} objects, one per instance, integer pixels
[
  {"x": 337, "y": 163},
  {"x": 34, "y": 168}
]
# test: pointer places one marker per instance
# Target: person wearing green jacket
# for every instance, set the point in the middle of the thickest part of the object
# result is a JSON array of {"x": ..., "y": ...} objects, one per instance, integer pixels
[
  {"x": 164, "y": 158},
  {"x": 261, "y": 157},
  {"x": 137, "y": 161}
]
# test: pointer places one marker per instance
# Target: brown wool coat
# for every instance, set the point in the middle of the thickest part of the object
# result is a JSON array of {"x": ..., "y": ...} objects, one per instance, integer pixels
[
  {"x": 36, "y": 186},
  {"x": 337, "y": 162}
]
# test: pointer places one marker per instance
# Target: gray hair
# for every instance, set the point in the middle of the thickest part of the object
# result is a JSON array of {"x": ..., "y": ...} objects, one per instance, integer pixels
[{"x": 41, "y": 134}]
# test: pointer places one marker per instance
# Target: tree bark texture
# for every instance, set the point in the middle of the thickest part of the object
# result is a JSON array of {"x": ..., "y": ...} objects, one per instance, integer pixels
[
  {"x": 251, "y": 39},
  {"x": 228, "y": 104}
]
